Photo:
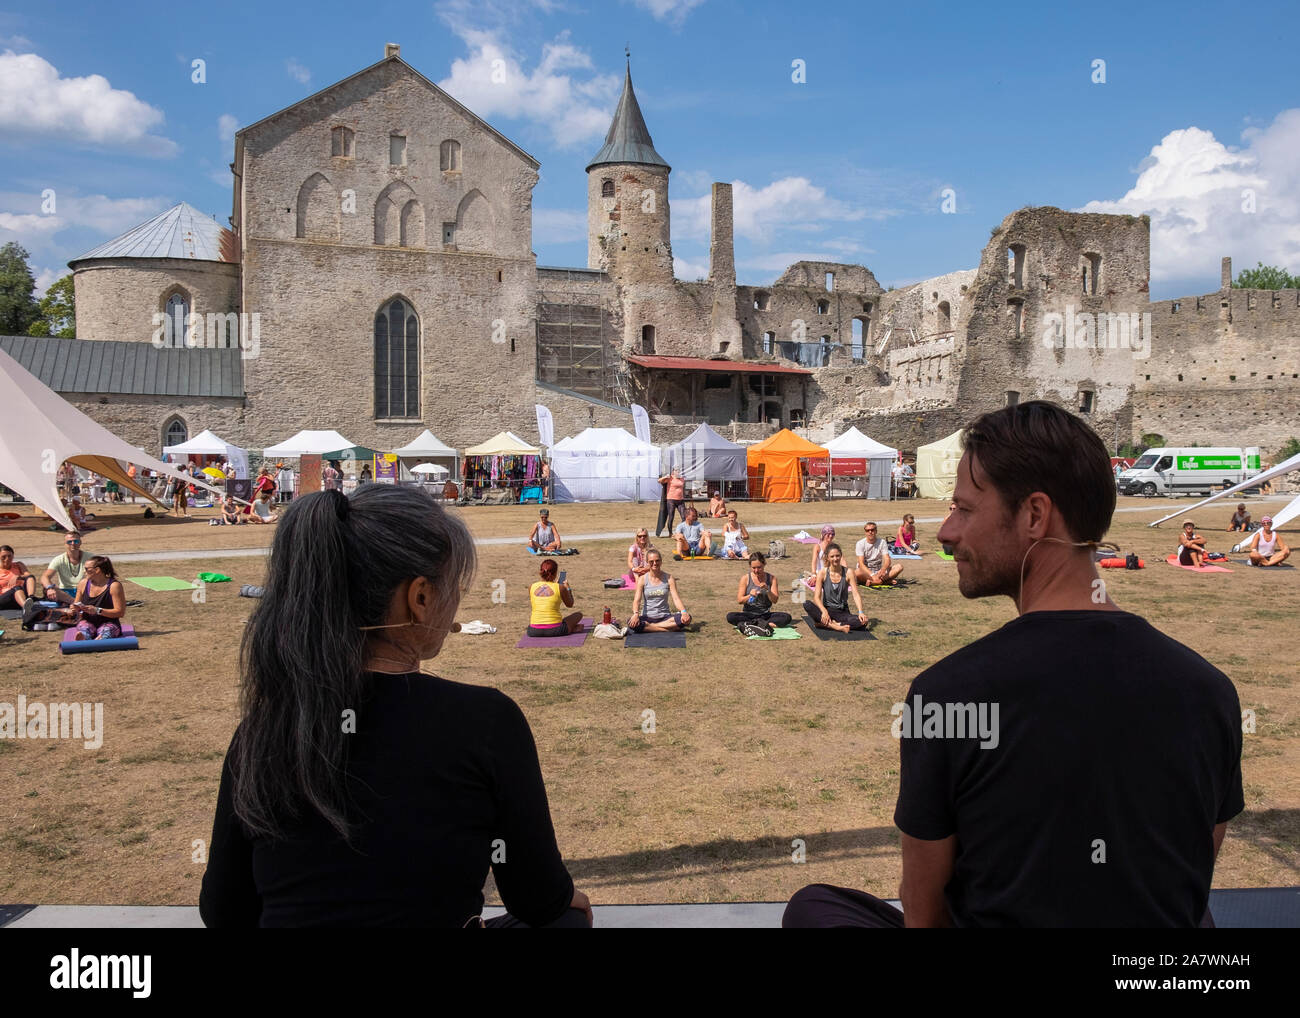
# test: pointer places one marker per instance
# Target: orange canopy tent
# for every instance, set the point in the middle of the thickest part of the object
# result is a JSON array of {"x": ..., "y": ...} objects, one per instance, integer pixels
[{"x": 774, "y": 473}]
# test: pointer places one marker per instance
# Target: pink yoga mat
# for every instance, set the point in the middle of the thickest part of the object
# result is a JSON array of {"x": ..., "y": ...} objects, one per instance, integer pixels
[
  {"x": 572, "y": 640},
  {"x": 1173, "y": 561}
]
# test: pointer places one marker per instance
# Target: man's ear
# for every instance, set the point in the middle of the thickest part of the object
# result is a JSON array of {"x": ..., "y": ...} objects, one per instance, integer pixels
[{"x": 1038, "y": 509}]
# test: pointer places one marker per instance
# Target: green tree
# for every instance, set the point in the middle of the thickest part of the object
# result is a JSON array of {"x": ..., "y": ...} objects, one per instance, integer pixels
[
  {"x": 57, "y": 311},
  {"x": 17, "y": 305},
  {"x": 1289, "y": 449},
  {"x": 1266, "y": 277}
]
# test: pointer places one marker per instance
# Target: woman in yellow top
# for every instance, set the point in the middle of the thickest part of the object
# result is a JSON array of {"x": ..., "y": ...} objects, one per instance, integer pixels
[{"x": 545, "y": 596}]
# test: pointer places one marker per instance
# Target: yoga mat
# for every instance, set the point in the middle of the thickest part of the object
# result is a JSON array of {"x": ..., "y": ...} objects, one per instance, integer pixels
[
  {"x": 572, "y": 640},
  {"x": 71, "y": 645},
  {"x": 562, "y": 551},
  {"x": 896, "y": 555},
  {"x": 780, "y": 633},
  {"x": 696, "y": 558},
  {"x": 1280, "y": 565},
  {"x": 802, "y": 540},
  {"x": 1173, "y": 561},
  {"x": 830, "y": 634},
  {"x": 161, "y": 583},
  {"x": 654, "y": 640},
  {"x": 944, "y": 555},
  {"x": 11, "y": 613}
]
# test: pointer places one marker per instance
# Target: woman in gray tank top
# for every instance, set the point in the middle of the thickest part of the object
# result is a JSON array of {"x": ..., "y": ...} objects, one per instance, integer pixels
[
  {"x": 829, "y": 606},
  {"x": 650, "y": 602}
]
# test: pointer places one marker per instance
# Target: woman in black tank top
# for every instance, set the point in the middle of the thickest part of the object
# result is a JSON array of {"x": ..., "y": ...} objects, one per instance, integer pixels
[
  {"x": 756, "y": 593},
  {"x": 829, "y": 607},
  {"x": 100, "y": 604}
]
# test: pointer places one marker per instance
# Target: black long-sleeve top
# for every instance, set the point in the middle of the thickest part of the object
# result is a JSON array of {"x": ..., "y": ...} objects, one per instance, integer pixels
[{"x": 445, "y": 783}]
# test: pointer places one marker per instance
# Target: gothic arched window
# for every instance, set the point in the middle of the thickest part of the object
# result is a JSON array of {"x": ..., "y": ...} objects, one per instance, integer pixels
[
  {"x": 607, "y": 189},
  {"x": 397, "y": 361},
  {"x": 178, "y": 320},
  {"x": 176, "y": 433}
]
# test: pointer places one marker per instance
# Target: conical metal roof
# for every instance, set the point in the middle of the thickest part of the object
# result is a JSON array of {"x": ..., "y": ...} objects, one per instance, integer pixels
[
  {"x": 628, "y": 140},
  {"x": 180, "y": 232}
]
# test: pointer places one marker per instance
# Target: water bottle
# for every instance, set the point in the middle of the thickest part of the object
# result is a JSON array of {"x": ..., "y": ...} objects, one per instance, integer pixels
[{"x": 606, "y": 620}]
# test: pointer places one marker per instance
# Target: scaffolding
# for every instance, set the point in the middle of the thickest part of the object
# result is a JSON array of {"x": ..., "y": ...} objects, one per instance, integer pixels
[{"x": 574, "y": 351}]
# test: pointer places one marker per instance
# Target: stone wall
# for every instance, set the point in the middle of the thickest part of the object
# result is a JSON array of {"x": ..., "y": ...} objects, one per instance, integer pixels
[
  {"x": 142, "y": 420},
  {"x": 117, "y": 298},
  {"x": 629, "y": 234}
]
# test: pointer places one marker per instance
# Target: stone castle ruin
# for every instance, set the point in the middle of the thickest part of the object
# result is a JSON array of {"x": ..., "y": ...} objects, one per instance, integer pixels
[{"x": 381, "y": 242}]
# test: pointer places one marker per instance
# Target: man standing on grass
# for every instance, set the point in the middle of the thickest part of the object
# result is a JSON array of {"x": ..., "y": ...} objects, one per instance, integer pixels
[{"x": 1075, "y": 767}]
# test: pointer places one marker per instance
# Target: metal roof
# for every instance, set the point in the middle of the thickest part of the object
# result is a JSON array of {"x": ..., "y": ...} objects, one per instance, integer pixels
[
  {"x": 628, "y": 140},
  {"x": 700, "y": 364},
  {"x": 180, "y": 232},
  {"x": 135, "y": 369}
]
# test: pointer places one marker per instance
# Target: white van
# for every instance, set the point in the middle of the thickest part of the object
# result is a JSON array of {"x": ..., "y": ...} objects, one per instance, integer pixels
[{"x": 1188, "y": 471}]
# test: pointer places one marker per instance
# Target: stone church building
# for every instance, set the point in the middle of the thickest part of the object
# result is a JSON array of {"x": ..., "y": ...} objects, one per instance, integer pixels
[{"x": 377, "y": 277}]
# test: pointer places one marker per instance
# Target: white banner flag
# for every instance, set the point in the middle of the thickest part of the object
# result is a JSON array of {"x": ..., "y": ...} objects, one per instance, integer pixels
[
  {"x": 545, "y": 426},
  {"x": 641, "y": 423}
]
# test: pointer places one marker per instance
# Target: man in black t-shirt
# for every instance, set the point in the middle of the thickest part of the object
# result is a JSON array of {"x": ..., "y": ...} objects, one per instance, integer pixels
[{"x": 1074, "y": 768}]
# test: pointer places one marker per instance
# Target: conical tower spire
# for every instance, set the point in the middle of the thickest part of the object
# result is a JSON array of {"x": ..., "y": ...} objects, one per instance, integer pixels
[{"x": 628, "y": 140}]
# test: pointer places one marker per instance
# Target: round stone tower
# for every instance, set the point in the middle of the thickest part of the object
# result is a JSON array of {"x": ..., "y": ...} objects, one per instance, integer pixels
[{"x": 627, "y": 200}]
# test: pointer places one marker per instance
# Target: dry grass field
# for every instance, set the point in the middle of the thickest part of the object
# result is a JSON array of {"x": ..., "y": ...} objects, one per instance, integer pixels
[{"x": 755, "y": 744}]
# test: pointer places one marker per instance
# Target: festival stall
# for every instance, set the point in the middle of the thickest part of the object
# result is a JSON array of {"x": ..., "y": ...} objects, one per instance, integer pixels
[
  {"x": 774, "y": 466},
  {"x": 206, "y": 444},
  {"x": 308, "y": 447},
  {"x": 865, "y": 462},
  {"x": 504, "y": 461},
  {"x": 428, "y": 449},
  {"x": 604, "y": 465},
  {"x": 704, "y": 456},
  {"x": 936, "y": 467}
]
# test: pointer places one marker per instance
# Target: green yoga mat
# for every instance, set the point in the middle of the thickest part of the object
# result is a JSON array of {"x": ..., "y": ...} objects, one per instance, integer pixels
[
  {"x": 780, "y": 633},
  {"x": 946, "y": 558},
  {"x": 161, "y": 583}
]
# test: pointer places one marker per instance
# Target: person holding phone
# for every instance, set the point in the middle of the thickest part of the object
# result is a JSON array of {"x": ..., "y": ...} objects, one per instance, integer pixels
[
  {"x": 545, "y": 598},
  {"x": 100, "y": 605}
]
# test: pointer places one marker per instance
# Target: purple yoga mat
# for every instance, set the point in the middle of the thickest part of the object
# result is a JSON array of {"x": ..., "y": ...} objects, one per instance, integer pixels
[
  {"x": 70, "y": 634},
  {"x": 572, "y": 640}
]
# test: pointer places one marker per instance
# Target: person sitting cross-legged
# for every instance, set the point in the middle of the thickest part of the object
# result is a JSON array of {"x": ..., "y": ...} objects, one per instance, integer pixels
[
  {"x": 261, "y": 509},
  {"x": 905, "y": 540},
  {"x": 691, "y": 538},
  {"x": 100, "y": 603},
  {"x": 734, "y": 536},
  {"x": 1240, "y": 519},
  {"x": 636, "y": 555},
  {"x": 829, "y": 606},
  {"x": 1267, "y": 547},
  {"x": 16, "y": 583},
  {"x": 545, "y": 596},
  {"x": 756, "y": 593},
  {"x": 650, "y": 601},
  {"x": 66, "y": 571},
  {"x": 1191, "y": 546},
  {"x": 875, "y": 568},
  {"x": 544, "y": 536}
]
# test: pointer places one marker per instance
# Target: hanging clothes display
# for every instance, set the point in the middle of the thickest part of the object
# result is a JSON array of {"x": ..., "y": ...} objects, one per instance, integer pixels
[{"x": 513, "y": 473}]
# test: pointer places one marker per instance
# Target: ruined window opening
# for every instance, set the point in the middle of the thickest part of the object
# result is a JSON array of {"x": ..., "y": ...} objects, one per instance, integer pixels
[
  {"x": 1016, "y": 265},
  {"x": 945, "y": 316},
  {"x": 607, "y": 189},
  {"x": 866, "y": 307},
  {"x": 449, "y": 234},
  {"x": 512, "y": 344},
  {"x": 859, "y": 339},
  {"x": 722, "y": 346},
  {"x": 500, "y": 276},
  {"x": 647, "y": 339},
  {"x": 397, "y": 361},
  {"x": 1085, "y": 401},
  {"x": 1013, "y": 397},
  {"x": 449, "y": 156},
  {"x": 1174, "y": 306},
  {"x": 823, "y": 307},
  {"x": 1016, "y": 312},
  {"x": 798, "y": 418},
  {"x": 397, "y": 150},
  {"x": 716, "y": 380},
  {"x": 761, "y": 300},
  {"x": 768, "y": 339},
  {"x": 341, "y": 141},
  {"x": 1232, "y": 378},
  {"x": 1180, "y": 378},
  {"x": 1091, "y": 270},
  {"x": 830, "y": 281},
  {"x": 176, "y": 433}
]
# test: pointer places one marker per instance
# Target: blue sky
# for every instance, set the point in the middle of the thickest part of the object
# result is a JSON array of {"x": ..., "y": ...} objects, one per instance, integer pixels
[{"x": 1197, "y": 121}]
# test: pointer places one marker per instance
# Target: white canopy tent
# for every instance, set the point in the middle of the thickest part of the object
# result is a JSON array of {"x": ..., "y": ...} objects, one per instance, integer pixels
[
  {"x": 41, "y": 430},
  {"x": 604, "y": 465},
  {"x": 427, "y": 446},
  {"x": 1280, "y": 519},
  {"x": 207, "y": 444},
  {"x": 854, "y": 445},
  {"x": 936, "y": 467},
  {"x": 308, "y": 443}
]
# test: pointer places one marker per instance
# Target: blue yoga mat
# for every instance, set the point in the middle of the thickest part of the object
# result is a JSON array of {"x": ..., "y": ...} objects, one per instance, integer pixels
[{"x": 127, "y": 641}]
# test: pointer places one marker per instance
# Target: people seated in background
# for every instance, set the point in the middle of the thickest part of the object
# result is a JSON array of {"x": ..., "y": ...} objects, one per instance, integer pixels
[
  {"x": 757, "y": 593},
  {"x": 734, "y": 536},
  {"x": 1240, "y": 519},
  {"x": 230, "y": 513},
  {"x": 819, "y": 552},
  {"x": 875, "y": 568},
  {"x": 1191, "y": 546},
  {"x": 650, "y": 602},
  {"x": 544, "y": 598},
  {"x": 100, "y": 603},
  {"x": 691, "y": 538},
  {"x": 1267, "y": 547},
  {"x": 717, "y": 506},
  {"x": 636, "y": 557},
  {"x": 78, "y": 514},
  {"x": 16, "y": 583},
  {"x": 65, "y": 572},
  {"x": 905, "y": 541},
  {"x": 829, "y": 606},
  {"x": 544, "y": 536},
  {"x": 262, "y": 509}
]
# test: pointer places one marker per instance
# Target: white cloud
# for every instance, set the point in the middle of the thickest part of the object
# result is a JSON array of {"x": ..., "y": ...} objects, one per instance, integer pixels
[
  {"x": 46, "y": 277},
  {"x": 36, "y": 102},
  {"x": 559, "y": 226},
  {"x": 96, "y": 212},
  {"x": 1197, "y": 191},
  {"x": 791, "y": 203},
  {"x": 221, "y": 177},
  {"x": 690, "y": 271},
  {"x": 491, "y": 81},
  {"x": 16, "y": 42},
  {"x": 672, "y": 11},
  {"x": 297, "y": 71},
  {"x": 227, "y": 125}
]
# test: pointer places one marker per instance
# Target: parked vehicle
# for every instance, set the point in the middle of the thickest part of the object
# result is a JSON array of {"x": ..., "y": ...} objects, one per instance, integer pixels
[{"x": 1188, "y": 471}]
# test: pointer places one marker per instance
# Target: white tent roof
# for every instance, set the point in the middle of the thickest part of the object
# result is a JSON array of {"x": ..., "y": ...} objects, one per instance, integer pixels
[
  {"x": 853, "y": 444},
  {"x": 427, "y": 444},
  {"x": 203, "y": 444},
  {"x": 309, "y": 443},
  {"x": 606, "y": 442},
  {"x": 504, "y": 443},
  {"x": 40, "y": 430}
]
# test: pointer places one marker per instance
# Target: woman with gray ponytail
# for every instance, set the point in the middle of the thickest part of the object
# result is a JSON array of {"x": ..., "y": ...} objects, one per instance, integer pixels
[{"x": 359, "y": 790}]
